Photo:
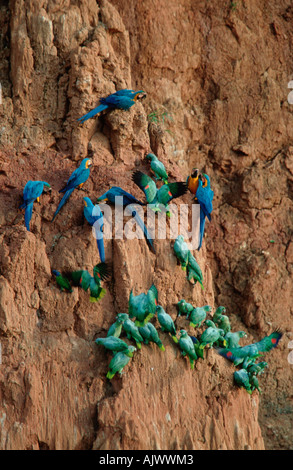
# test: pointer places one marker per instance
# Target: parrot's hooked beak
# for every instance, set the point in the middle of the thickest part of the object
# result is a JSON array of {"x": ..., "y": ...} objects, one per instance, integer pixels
[{"x": 88, "y": 163}]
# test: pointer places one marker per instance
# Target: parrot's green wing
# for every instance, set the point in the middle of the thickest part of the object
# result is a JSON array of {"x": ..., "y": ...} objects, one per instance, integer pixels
[
  {"x": 81, "y": 278},
  {"x": 159, "y": 169},
  {"x": 101, "y": 271},
  {"x": 193, "y": 264},
  {"x": 269, "y": 342},
  {"x": 171, "y": 191},
  {"x": 146, "y": 184},
  {"x": 118, "y": 362},
  {"x": 96, "y": 291}
]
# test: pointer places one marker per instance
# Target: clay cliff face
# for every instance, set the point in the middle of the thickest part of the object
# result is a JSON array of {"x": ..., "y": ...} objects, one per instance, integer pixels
[{"x": 216, "y": 78}]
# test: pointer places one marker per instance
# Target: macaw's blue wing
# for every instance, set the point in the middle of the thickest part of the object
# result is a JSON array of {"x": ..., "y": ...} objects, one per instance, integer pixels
[
  {"x": 78, "y": 177},
  {"x": 93, "y": 112},
  {"x": 116, "y": 191},
  {"x": 94, "y": 216},
  {"x": 205, "y": 196}
]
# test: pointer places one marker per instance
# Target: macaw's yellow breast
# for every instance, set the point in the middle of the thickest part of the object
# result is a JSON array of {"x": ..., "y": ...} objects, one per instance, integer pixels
[{"x": 192, "y": 184}]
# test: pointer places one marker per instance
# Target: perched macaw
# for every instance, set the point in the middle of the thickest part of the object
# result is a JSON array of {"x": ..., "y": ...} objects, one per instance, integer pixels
[
  {"x": 132, "y": 331},
  {"x": 62, "y": 281},
  {"x": 192, "y": 181},
  {"x": 247, "y": 354},
  {"x": 198, "y": 315},
  {"x": 76, "y": 180},
  {"x": 158, "y": 198},
  {"x": 150, "y": 334},
  {"x": 31, "y": 192},
  {"x": 118, "y": 362},
  {"x": 187, "y": 347},
  {"x": 166, "y": 322},
  {"x": 193, "y": 271},
  {"x": 158, "y": 168},
  {"x": 122, "y": 99},
  {"x": 204, "y": 196},
  {"x": 114, "y": 195},
  {"x": 94, "y": 216},
  {"x": 115, "y": 345},
  {"x": 83, "y": 279},
  {"x": 181, "y": 251},
  {"x": 143, "y": 306}
]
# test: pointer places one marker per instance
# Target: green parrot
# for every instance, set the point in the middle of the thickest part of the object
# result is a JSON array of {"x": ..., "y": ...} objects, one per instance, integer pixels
[
  {"x": 193, "y": 271},
  {"x": 223, "y": 322},
  {"x": 247, "y": 354},
  {"x": 118, "y": 362},
  {"x": 233, "y": 338},
  {"x": 187, "y": 347},
  {"x": 158, "y": 199},
  {"x": 211, "y": 335},
  {"x": 254, "y": 383},
  {"x": 132, "y": 331},
  {"x": 219, "y": 311},
  {"x": 62, "y": 281},
  {"x": 255, "y": 369},
  {"x": 241, "y": 379},
  {"x": 143, "y": 306},
  {"x": 83, "y": 279},
  {"x": 116, "y": 328},
  {"x": 181, "y": 251},
  {"x": 158, "y": 168},
  {"x": 150, "y": 334},
  {"x": 198, "y": 315},
  {"x": 115, "y": 345},
  {"x": 166, "y": 322},
  {"x": 184, "y": 308}
]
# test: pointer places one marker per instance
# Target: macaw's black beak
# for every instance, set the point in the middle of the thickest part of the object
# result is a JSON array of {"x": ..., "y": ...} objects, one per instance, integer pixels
[{"x": 142, "y": 96}]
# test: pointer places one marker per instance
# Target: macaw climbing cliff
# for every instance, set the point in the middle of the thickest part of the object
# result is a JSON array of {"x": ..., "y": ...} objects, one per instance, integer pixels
[{"x": 216, "y": 78}]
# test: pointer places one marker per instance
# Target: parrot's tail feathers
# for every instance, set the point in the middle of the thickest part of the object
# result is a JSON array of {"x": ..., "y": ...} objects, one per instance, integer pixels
[
  {"x": 192, "y": 324},
  {"x": 110, "y": 375},
  {"x": 162, "y": 348},
  {"x": 93, "y": 112},
  {"x": 138, "y": 345},
  {"x": 175, "y": 339}
]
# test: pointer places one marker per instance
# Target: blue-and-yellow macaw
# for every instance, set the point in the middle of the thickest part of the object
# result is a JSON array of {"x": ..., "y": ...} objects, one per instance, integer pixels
[
  {"x": 94, "y": 216},
  {"x": 76, "y": 180},
  {"x": 192, "y": 181},
  {"x": 31, "y": 192},
  {"x": 126, "y": 199},
  {"x": 122, "y": 99},
  {"x": 204, "y": 196}
]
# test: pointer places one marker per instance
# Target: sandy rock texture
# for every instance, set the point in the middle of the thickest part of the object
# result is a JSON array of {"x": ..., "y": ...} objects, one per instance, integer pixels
[{"x": 216, "y": 76}]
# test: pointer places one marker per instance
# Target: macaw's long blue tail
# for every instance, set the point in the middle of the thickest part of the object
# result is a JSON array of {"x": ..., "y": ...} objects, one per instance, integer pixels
[
  {"x": 62, "y": 202},
  {"x": 100, "y": 244},
  {"x": 148, "y": 238},
  {"x": 201, "y": 227},
  {"x": 93, "y": 112},
  {"x": 28, "y": 215}
]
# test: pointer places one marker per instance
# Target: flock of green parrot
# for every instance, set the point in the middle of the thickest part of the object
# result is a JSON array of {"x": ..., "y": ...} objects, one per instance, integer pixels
[{"x": 144, "y": 307}]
